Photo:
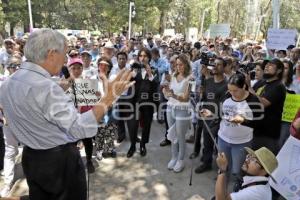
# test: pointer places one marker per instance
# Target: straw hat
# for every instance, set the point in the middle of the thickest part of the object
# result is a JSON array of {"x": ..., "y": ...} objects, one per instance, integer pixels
[{"x": 266, "y": 158}]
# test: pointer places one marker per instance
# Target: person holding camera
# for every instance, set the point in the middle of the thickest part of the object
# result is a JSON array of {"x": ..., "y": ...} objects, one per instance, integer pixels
[
  {"x": 258, "y": 168},
  {"x": 143, "y": 100},
  {"x": 214, "y": 90}
]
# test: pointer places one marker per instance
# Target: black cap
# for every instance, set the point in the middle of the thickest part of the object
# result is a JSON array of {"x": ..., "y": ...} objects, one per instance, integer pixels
[
  {"x": 197, "y": 45},
  {"x": 290, "y": 47}
]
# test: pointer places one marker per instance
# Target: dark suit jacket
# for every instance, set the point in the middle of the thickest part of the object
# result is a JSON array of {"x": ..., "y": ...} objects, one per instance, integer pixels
[{"x": 144, "y": 90}]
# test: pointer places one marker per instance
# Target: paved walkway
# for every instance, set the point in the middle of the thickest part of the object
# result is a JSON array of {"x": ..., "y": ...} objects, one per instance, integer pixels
[{"x": 145, "y": 178}]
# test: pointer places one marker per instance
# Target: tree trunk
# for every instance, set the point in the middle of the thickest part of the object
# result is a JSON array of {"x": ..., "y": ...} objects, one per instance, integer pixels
[
  {"x": 162, "y": 22},
  {"x": 218, "y": 11},
  {"x": 11, "y": 31}
]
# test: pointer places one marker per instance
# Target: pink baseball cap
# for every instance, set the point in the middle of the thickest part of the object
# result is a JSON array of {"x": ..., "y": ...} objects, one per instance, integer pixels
[{"x": 73, "y": 61}]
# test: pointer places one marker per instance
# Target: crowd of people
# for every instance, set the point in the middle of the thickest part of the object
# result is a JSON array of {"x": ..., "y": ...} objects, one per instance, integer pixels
[{"x": 230, "y": 92}]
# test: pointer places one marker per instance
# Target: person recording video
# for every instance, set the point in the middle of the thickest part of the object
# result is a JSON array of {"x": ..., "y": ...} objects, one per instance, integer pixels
[
  {"x": 43, "y": 118},
  {"x": 143, "y": 100}
]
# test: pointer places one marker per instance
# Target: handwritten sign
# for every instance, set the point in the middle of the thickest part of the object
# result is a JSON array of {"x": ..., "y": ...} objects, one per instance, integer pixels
[
  {"x": 280, "y": 39},
  {"x": 287, "y": 174},
  {"x": 85, "y": 91},
  {"x": 222, "y": 30},
  {"x": 291, "y": 106}
]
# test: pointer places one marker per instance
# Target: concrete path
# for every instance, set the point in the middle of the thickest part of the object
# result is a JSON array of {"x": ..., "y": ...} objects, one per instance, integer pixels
[{"x": 145, "y": 178}]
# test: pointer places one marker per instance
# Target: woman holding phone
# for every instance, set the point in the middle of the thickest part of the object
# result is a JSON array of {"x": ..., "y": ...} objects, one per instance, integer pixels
[
  {"x": 178, "y": 111},
  {"x": 239, "y": 118}
]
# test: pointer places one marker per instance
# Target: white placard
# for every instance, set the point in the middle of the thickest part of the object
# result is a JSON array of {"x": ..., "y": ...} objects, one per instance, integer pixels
[
  {"x": 287, "y": 174},
  {"x": 216, "y": 30},
  {"x": 192, "y": 34},
  {"x": 280, "y": 39},
  {"x": 169, "y": 32},
  {"x": 85, "y": 90}
]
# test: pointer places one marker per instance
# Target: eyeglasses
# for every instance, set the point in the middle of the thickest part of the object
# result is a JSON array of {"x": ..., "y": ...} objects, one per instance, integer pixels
[
  {"x": 252, "y": 158},
  {"x": 14, "y": 66},
  {"x": 74, "y": 55}
]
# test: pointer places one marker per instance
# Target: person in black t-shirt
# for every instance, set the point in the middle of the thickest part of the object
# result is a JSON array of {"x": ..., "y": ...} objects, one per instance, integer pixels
[
  {"x": 214, "y": 89},
  {"x": 272, "y": 96}
]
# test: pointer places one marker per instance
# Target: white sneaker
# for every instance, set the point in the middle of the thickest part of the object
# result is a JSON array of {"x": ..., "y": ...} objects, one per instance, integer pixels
[
  {"x": 179, "y": 166},
  {"x": 99, "y": 155},
  {"x": 171, "y": 164},
  {"x": 5, "y": 191}
]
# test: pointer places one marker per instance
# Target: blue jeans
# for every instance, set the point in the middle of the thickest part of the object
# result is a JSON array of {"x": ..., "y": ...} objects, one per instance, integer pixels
[
  {"x": 284, "y": 133},
  {"x": 181, "y": 119},
  {"x": 235, "y": 154}
]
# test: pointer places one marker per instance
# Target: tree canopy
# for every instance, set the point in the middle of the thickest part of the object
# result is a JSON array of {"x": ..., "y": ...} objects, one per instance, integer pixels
[{"x": 109, "y": 16}]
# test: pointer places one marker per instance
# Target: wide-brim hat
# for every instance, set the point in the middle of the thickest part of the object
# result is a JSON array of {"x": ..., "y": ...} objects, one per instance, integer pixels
[
  {"x": 109, "y": 45},
  {"x": 266, "y": 158}
]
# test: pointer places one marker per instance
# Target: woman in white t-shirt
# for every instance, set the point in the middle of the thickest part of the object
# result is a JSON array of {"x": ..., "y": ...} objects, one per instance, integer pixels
[
  {"x": 240, "y": 116},
  {"x": 178, "y": 111}
]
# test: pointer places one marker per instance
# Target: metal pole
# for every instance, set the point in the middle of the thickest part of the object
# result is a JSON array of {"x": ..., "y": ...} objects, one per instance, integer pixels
[
  {"x": 30, "y": 16},
  {"x": 129, "y": 21},
  {"x": 276, "y": 13}
]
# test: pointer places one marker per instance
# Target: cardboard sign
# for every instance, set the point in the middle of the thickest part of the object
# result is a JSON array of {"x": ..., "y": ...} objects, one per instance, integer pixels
[
  {"x": 85, "y": 91},
  {"x": 280, "y": 39},
  {"x": 287, "y": 175},
  {"x": 291, "y": 106},
  {"x": 216, "y": 30}
]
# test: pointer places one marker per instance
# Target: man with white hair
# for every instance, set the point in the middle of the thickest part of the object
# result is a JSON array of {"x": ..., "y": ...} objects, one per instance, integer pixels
[
  {"x": 109, "y": 52},
  {"x": 43, "y": 118}
]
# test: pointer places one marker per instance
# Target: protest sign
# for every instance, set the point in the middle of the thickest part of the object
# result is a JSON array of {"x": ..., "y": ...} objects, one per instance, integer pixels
[
  {"x": 169, "y": 32},
  {"x": 85, "y": 91},
  {"x": 216, "y": 30},
  {"x": 280, "y": 39},
  {"x": 287, "y": 175},
  {"x": 291, "y": 106},
  {"x": 192, "y": 34}
]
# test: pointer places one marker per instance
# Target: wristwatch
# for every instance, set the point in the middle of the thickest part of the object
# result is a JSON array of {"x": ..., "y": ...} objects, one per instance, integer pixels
[{"x": 220, "y": 171}]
